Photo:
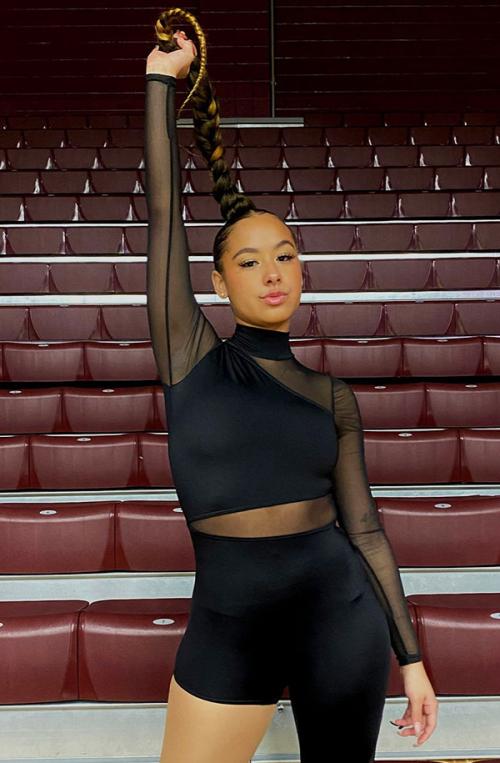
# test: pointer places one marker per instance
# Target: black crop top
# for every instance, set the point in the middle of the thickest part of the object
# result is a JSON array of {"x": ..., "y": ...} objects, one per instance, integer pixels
[{"x": 249, "y": 426}]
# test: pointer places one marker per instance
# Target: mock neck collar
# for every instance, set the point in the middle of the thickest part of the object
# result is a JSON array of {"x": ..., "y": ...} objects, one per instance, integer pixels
[{"x": 264, "y": 343}]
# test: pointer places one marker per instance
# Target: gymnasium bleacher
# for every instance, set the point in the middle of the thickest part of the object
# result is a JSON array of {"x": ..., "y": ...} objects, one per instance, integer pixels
[
  {"x": 400, "y": 239},
  {"x": 373, "y": 130}
]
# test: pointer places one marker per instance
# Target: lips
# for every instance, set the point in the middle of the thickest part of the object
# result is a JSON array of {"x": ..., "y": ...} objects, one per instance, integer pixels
[{"x": 275, "y": 298}]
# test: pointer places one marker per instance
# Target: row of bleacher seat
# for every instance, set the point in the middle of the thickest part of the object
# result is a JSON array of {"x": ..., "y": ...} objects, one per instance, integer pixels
[
  {"x": 331, "y": 206},
  {"x": 299, "y": 137},
  {"x": 77, "y": 322},
  {"x": 51, "y": 159},
  {"x": 112, "y": 650},
  {"x": 132, "y": 460},
  {"x": 340, "y": 237},
  {"x": 398, "y": 357},
  {"x": 288, "y": 180},
  {"x": 345, "y": 119},
  {"x": 363, "y": 275},
  {"x": 344, "y": 206},
  {"x": 48, "y": 537},
  {"x": 127, "y": 449},
  {"x": 417, "y": 405},
  {"x": 123, "y": 650}
]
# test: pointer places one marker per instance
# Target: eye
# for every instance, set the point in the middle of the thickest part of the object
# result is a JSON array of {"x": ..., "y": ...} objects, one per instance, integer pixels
[{"x": 247, "y": 262}]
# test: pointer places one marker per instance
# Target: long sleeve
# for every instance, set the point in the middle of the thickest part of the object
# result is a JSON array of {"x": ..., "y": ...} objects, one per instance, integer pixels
[
  {"x": 180, "y": 332},
  {"x": 358, "y": 515}
]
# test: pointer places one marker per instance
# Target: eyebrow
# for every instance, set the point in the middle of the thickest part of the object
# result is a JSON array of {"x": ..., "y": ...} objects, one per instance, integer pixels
[{"x": 254, "y": 251}]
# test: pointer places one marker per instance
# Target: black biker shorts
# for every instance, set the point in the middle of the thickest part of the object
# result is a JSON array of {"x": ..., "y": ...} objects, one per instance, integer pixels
[{"x": 294, "y": 610}]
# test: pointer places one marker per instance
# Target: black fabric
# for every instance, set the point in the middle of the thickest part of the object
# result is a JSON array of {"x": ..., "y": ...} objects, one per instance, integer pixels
[
  {"x": 259, "y": 444},
  {"x": 296, "y": 611},
  {"x": 180, "y": 333}
]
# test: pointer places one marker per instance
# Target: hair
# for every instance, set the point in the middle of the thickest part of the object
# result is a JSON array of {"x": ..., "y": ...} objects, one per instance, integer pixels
[{"x": 206, "y": 109}]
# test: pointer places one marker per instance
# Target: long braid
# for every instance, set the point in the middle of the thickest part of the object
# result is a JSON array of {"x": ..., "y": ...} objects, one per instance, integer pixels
[
  {"x": 164, "y": 30},
  {"x": 206, "y": 110}
]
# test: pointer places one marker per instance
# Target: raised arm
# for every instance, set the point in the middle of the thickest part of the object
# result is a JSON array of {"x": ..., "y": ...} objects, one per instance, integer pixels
[
  {"x": 181, "y": 334},
  {"x": 359, "y": 517}
]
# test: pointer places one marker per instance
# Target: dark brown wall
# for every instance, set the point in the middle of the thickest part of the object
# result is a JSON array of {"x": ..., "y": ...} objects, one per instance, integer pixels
[
  {"x": 334, "y": 57},
  {"x": 384, "y": 55},
  {"x": 92, "y": 56}
]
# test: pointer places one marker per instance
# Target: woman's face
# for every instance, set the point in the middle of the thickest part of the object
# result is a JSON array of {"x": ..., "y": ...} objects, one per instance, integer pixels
[{"x": 248, "y": 276}]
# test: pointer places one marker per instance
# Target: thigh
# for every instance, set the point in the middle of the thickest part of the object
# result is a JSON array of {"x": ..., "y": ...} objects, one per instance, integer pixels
[
  {"x": 228, "y": 673},
  {"x": 339, "y": 675},
  {"x": 231, "y": 649},
  {"x": 200, "y": 731},
  {"x": 230, "y": 658}
]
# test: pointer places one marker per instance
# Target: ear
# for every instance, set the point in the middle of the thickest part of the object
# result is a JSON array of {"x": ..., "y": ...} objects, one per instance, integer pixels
[{"x": 218, "y": 284}]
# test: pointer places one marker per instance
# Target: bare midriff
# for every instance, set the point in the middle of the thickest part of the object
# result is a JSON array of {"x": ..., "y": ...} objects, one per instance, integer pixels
[{"x": 280, "y": 519}]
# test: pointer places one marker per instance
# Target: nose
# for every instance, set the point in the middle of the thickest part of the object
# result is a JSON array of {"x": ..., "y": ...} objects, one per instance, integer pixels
[{"x": 273, "y": 278}]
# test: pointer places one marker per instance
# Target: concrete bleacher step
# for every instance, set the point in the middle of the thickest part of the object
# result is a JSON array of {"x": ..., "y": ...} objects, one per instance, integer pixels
[
  {"x": 467, "y": 729},
  {"x": 141, "y": 585}
]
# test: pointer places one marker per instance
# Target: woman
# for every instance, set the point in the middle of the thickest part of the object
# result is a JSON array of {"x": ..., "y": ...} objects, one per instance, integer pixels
[{"x": 296, "y": 584}]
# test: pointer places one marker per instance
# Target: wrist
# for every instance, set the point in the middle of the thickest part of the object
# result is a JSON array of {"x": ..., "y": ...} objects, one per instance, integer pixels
[
  {"x": 165, "y": 72},
  {"x": 411, "y": 665}
]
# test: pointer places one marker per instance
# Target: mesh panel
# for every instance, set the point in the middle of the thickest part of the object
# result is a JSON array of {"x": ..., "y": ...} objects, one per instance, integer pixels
[
  {"x": 180, "y": 332},
  {"x": 280, "y": 519}
]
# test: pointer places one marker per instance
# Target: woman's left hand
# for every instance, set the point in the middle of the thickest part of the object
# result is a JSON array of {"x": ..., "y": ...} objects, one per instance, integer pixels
[{"x": 421, "y": 713}]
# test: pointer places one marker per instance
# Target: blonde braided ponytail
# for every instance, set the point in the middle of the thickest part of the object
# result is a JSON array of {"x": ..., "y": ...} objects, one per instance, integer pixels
[
  {"x": 167, "y": 22},
  {"x": 206, "y": 114}
]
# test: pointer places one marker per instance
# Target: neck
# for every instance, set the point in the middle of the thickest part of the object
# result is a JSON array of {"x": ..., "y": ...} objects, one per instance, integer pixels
[{"x": 264, "y": 343}]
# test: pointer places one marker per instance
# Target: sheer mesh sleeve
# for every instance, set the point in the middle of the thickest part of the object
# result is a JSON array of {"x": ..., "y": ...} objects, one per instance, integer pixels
[
  {"x": 358, "y": 515},
  {"x": 181, "y": 334}
]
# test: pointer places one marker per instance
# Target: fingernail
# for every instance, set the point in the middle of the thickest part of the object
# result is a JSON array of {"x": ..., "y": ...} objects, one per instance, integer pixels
[{"x": 418, "y": 727}]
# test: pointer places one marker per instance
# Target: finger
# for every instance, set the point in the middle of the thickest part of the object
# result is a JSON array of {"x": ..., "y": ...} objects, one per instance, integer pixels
[
  {"x": 185, "y": 44},
  {"x": 182, "y": 37},
  {"x": 404, "y": 728},
  {"x": 404, "y": 719},
  {"x": 406, "y": 732},
  {"x": 424, "y": 737},
  {"x": 418, "y": 726},
  {"x": 430, "y": 723}
]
